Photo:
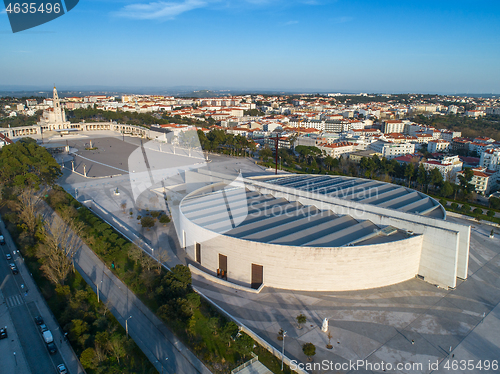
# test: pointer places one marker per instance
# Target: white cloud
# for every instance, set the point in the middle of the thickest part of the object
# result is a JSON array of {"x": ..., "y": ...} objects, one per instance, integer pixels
[
  {"x": 3, "y": 11},
  {"x": 291, "y": 23},
  {"x": 160, "y": 9}
]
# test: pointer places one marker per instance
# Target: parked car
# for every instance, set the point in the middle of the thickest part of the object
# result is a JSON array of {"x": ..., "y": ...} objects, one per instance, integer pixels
[
  {"x": 61, "y": 369},
  {"x": 8, "y": 256},
  {"x": 43, "y": 328},
  {"x": 47, "y": 337},
  {"x": 39, "y": 320},
  {"x": 52, "y": 348},
  {"x": 3, "y": 332},
  {"x": 2, "y": 240}
]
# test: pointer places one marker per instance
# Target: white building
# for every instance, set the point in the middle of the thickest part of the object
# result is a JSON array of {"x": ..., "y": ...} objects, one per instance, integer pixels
[
  {"x": 391, "y": 126},
  {"x": 448, "y": 135},
  {"x": 391, "y": 150},
  {"x": 483, "y": 180},
  {"x": 448, "y": 166},
  {"x": 490, "y": 158},
  {"x": 436, "y": 146},
  {"x": 337, "y": 149}
]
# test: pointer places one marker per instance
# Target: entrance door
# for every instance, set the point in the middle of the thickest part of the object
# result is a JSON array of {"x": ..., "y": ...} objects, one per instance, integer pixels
[
  {"x": 223, "y": 266},
  {"x": 257, "y": 276},
  {"x": 197, "y": 255}
]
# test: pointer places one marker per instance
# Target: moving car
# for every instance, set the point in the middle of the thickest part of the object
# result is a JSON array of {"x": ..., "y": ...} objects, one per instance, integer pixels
[
  {"x": 14, "y": 268},
  {"x": 61, "y": 369},
  {"x": 2, "y": 240},
  {"x": 39, "y": 320},
  {"x": 3, "y": 332},
  {"x": 8, "y": 256}
]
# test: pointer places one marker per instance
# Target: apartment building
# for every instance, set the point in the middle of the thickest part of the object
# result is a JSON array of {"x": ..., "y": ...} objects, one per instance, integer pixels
[{"x": 390, "y": 150}]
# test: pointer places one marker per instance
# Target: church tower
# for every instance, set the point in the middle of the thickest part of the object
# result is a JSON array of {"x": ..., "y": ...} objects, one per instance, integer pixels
[{"x": 59, "y": 114}]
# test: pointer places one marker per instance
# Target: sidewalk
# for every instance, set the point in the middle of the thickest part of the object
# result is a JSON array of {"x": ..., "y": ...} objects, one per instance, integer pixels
[{"x": 70, "y": 359}]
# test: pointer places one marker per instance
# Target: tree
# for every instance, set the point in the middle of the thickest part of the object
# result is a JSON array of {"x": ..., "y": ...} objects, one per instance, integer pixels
[
  {"x": 409, "y": 172},
  {"x": 161, "y": 256},
  {"x": 88, "y": 359},
  {"x": 265, "y": 153},
  {"x": 301, "y": 319},
  {"x": 147, "y": 222},
  {"x": 446, "y": 189},
  {"x": 164, "y": 219},
  {"x": 29, "y": 200},
  {"x": 309, "y": 350},
  {"x": 124, "y": 206},
  {"x": 60, "y": 242},
  {"x": 490, "y": 213},
  {"x": 465, "y": 208},
  {"x": 464, "y": 179},
  {"x": 116, "y": 346},
  {"x": 422, "y": 176},
  {"x": 454, "y": 206},
  {"x": 477, "y": 211},
  {"x": 435, "y": 177}
]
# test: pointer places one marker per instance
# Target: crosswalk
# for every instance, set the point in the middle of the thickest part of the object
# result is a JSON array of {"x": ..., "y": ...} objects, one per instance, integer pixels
[{"x": 14, "y": 301}]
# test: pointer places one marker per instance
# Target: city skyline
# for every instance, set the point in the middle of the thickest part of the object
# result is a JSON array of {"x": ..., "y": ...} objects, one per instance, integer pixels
[{"x": 324, "y": 46}]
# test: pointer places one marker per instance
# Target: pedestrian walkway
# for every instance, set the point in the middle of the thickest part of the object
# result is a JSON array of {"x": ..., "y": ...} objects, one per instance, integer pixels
[{"x": 14, "y": 301}]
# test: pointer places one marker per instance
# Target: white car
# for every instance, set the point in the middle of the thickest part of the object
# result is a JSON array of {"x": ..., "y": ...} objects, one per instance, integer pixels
[{"x": 61, "y": 369}]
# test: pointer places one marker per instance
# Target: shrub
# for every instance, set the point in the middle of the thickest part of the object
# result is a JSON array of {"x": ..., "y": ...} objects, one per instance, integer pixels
[
  {"x": 466, "y": 208},
  {"x": 454, "y": 206},
  {"x": 164, "y": 219},
  {"x": 490, "y": 213},
  {"x": 309, "y": 349},
  {"x": 478, "y": 211},
  {"x": 443, "y": 202}
]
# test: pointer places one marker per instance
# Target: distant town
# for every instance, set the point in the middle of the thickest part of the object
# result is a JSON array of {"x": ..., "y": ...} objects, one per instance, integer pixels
[{"x": 446, "y": 133}]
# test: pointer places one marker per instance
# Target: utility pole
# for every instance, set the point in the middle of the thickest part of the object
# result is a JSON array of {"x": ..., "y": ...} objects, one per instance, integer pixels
[
  {"x": 276, "y": 140},
  {"x": 283, "y": 351}
]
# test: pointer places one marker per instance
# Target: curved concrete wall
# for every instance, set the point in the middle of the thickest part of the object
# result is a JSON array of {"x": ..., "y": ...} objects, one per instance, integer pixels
[{"x": 306, "y": 268}]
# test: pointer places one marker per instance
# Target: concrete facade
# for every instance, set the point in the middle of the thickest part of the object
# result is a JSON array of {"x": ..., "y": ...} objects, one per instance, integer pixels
[{"x": 434, "y": 249}]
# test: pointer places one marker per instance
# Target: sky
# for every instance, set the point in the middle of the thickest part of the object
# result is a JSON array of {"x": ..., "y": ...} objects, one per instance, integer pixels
[{"x": 373, "y": 46}]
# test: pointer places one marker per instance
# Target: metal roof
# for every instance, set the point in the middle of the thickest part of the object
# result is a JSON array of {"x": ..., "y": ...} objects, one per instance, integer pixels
[
  {"x": 250, "y": 215},
  {"x": 363, "y": 191}
]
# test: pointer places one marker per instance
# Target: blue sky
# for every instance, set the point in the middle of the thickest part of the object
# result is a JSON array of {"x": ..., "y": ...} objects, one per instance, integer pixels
[{"x": 356, "y": 45}]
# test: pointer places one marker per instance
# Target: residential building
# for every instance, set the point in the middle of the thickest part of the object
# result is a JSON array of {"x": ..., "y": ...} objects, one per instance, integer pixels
[
  {"x": 337, "y": 149},
  {"x": 490, "y": 159},
  {"x": 483, "y": 180},
  {"x": 437, "y": 146},
  {"x": 391, "y": 126},
  {"x": 448, "y": 166},
  {"x": 391, "y": 150}
]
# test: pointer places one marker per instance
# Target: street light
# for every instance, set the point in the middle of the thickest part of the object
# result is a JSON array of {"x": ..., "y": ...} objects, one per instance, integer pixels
[
  {"x": 15, "y": 358},
  {"x": 126, "y": 325},
  {"x": 166, "y": 359},
  {"x": 98, "y": 292},
  {"x": 283, "y": 351}
]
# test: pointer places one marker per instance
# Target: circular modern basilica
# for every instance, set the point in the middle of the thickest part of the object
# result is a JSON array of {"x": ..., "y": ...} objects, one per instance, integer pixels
[{"x": 320, "y": 233}]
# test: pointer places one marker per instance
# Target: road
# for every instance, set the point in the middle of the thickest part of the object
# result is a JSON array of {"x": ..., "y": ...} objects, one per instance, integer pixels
[
  {"x": 167, "y": 353},
  {"x": 24, "y": 302}
]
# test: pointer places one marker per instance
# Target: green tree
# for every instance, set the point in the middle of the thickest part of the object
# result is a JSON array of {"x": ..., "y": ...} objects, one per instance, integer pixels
[
  {"x": 409, "y": 171},
  {"x": 301, "y": 319},
  {"x": 446, "y": 189},
  {"x": 422, "y": 176},
  {"x": 147, "y": 222},
  {"x": 490, "y": 213},
  {"x": 435, "y": 177},
  {"x": 88, "y": 359},
  {"x": 309, "y": 349}
]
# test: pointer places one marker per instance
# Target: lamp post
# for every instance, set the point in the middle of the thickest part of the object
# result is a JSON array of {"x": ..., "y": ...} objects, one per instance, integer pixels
[
  {"x": 98, "y": 292},
  {"x": 126, "y": 325},
  {"x": 283, "y": 351},
  {"x": 15, "y": 358},
  {"x": 166, "y": 359}
]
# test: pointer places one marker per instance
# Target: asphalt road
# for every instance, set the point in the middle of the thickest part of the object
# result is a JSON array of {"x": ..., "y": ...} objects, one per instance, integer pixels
[{"x": 22, "y": 315}]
